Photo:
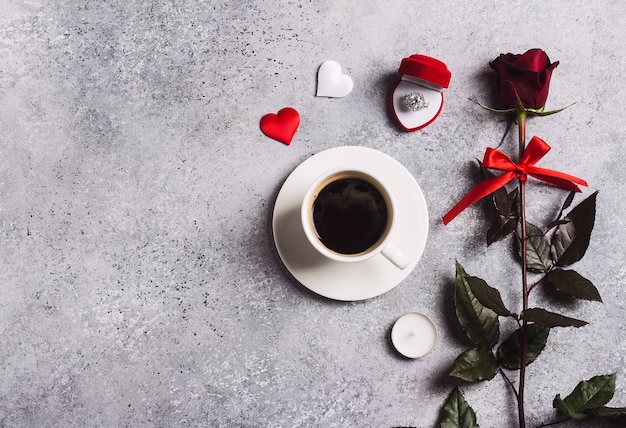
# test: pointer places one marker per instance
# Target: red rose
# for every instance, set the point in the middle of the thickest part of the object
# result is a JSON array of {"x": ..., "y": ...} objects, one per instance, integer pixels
[{"x": 527, "y": 75}]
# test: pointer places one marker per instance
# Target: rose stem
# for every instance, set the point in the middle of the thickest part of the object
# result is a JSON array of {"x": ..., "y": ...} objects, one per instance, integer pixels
[{"x": 521, "y": 117}]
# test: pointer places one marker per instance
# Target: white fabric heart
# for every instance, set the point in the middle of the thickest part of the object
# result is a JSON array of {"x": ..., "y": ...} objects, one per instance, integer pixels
[{"x": 330, "y": 81}]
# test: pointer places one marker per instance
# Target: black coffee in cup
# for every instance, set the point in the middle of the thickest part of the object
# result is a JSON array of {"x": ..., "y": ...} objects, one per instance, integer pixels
[{"x": 350, "y": 214}]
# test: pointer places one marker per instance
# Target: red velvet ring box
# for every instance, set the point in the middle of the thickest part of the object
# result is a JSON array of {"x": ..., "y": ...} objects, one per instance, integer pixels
[{"x": 417, "y": 98}]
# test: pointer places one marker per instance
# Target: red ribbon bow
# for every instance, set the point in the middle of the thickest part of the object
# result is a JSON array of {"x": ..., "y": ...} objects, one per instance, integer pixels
[{"x": 495, "y": 159}]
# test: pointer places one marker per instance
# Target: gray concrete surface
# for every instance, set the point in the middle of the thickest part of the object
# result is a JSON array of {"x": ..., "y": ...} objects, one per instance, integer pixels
[{"x": 139, "y": 283}]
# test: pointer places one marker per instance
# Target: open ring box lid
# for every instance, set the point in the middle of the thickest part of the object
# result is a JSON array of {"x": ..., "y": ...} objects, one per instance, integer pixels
[{"x": 424, "y": 75}]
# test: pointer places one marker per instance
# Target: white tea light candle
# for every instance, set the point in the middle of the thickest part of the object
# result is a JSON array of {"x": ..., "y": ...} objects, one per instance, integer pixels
[{"x": 414, "y": 335}]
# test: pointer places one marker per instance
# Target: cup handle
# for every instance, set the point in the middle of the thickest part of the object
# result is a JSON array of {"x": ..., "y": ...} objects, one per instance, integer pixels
[{"x": 392, "y": 254}]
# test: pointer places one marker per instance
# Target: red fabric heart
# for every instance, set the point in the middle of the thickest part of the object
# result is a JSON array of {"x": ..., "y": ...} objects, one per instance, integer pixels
[{"x": 282, "y": 126}]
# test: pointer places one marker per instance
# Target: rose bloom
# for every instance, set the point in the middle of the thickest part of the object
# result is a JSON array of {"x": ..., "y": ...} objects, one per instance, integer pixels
[{"x": 527, "y": 75}]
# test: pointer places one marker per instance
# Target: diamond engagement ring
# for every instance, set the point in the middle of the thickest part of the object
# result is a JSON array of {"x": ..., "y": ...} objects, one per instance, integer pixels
[{"x": 414, "y": 101}]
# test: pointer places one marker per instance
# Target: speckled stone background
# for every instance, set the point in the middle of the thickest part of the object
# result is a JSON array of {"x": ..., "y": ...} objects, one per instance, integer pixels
[{"x": 139, "y": 283}]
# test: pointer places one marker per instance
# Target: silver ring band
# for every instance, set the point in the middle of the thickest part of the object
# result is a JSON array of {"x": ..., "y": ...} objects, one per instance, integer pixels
[{"x": 414, "y": 101}]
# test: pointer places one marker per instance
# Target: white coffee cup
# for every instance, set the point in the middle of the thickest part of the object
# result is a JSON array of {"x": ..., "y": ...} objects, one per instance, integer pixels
[{"x": 348, "y": 215}]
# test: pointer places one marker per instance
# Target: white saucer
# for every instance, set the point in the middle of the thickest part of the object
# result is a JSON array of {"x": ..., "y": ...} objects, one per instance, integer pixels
[{"x": 356, "y": 280}]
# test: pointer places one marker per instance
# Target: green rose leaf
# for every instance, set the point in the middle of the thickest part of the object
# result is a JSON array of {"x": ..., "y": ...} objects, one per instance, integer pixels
[
  {"x": 456, "y": 413},
  {"x": 479, "y": 322},
  {"x": 564, "y": 408},
  {"x": 571, "y": 239},
  {"x": 537, "y": 249},
  {"x": 550, "y": 319},
  {"x": 506, "y": 203},
  {"x": 501, "y": 201},
  {"x": 506, "y": 218},
  {"x": 571, "y": 283},
  {"x": 608, "y": 412},
  {"x": 498, "y": 202},
  {"x": 509, "y": 351},
  {"x": 501, "y": 228},
  {"x": 590, "y": 394},
  {"x": 487, "y": 296},
  {"x": 567, "y": 203},
  {"x": 475, "y": 365},
  {"x": 501, "y": 207}
]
